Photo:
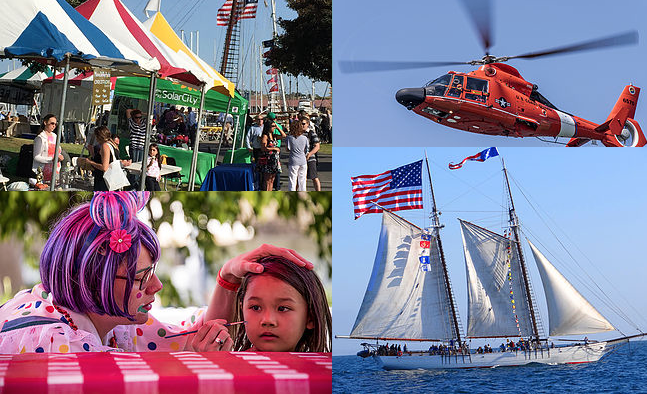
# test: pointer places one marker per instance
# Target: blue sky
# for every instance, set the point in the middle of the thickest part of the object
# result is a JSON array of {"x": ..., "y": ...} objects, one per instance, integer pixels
[
  {"x": 594, "y": 203},
  {"x": 586, "y": 84}
]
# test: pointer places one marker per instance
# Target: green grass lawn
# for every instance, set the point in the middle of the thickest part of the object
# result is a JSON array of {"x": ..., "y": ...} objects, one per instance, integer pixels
[
  {"x": 325, "y": 149},
  {"x": 10, "y": 146}
]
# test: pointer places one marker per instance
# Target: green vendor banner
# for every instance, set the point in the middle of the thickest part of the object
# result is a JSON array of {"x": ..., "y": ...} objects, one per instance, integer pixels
[{"x": 181, "y": 95}]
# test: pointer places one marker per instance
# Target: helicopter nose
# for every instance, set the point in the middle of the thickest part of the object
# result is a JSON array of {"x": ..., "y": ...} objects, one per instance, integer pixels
[{"x": 410, "y": 97}]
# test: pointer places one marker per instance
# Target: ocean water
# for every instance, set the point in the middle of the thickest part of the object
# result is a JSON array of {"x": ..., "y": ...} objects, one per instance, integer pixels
[{"x": 623, "y": 371}]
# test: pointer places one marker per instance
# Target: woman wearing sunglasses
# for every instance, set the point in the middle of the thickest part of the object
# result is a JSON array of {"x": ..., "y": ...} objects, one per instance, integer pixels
[
  {"x": 98, "y": 284},
  {"x": 44, "y": 146}
]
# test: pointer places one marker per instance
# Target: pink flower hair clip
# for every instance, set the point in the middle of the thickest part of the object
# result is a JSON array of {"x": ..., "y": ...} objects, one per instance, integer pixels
[{"x": 120, "y": 240}]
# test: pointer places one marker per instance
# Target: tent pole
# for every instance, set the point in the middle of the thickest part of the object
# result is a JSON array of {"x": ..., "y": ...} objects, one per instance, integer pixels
[
  {"x": 149, "y": 127},
  {"x": 196, "y": 142},
  {"x": 60, "y": 122},
  {"x": 222, "y": 133},
  {"x": 233, "y": 148}
]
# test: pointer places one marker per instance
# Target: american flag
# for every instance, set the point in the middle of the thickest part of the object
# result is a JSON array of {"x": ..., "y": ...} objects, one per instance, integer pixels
[
  {"x": 274, "y": 88},
  {"x": 246, "y": 9},
  {"x": 395, "y": 190}
]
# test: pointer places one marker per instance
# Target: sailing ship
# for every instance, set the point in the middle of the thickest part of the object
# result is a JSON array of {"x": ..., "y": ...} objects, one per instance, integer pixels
[{"x": 409, "y": 297}]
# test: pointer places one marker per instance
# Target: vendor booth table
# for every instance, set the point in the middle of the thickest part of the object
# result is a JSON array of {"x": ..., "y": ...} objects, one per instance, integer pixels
[
  {"x": 206, "y": 161},
  {"x": 166, "y": 172},
  {"x": 230, "y": 177},
  {"x": 162, "y": 372}
]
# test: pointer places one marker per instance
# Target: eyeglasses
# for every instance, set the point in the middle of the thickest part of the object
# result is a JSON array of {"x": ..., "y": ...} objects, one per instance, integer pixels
[
  {"x": 143, "y": 281},
  {"x": 304, "y": 124}
]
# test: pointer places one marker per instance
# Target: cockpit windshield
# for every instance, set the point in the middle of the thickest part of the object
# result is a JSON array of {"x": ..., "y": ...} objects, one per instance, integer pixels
[{"x": 438, "y": 86}]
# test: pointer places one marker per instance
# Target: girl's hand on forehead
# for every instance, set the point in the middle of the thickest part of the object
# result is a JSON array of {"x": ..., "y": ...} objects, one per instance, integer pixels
[{"x": 246, "y": 262}]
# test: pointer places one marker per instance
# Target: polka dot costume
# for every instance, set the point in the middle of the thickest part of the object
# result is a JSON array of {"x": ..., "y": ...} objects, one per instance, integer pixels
[{"x": 31, "y": 324}]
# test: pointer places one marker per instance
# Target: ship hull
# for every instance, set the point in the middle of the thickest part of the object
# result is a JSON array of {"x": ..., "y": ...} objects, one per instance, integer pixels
[{"x": 576, "y": 354}]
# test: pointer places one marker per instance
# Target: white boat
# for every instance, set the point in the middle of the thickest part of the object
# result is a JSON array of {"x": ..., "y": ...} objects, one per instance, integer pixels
[{"x": 409, "y": 298}]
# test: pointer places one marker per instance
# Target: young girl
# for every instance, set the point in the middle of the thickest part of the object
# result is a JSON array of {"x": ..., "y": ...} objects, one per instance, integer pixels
[
  {"x": 285, "y": 310},
  {"x": 153, "y": 169}
]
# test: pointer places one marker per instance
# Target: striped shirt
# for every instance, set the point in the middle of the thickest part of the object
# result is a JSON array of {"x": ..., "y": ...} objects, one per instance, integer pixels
[{"x": 137, "y": 134}]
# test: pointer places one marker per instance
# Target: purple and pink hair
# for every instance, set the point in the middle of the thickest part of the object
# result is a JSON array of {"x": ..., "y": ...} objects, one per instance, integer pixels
[{"x": 77, "y": 264}]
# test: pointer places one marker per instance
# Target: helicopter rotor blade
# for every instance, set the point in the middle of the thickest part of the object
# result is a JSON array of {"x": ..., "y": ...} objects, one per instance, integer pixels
[
  {"x": 349, "y": 67},
  {"x": 630, "y": 37},
  {"x": 480, "y": 11}
]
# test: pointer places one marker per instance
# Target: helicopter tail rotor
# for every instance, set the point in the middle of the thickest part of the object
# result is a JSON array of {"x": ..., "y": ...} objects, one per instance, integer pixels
[{"x": 620, "y": 129}]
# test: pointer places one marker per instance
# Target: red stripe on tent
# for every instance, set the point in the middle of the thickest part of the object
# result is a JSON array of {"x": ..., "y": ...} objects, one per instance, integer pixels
[
  {"x": 145, "y": 42},
  {"x": 87, "y": 9}
]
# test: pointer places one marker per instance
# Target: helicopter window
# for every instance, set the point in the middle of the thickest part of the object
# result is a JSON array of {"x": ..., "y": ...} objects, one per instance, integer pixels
[
  {"x": 477, "y": 89},
  {"x": 478, "y": 85},
  {"x": 444, "y": 80},
  {"x": 457, "y": 86},
  {"x": 438, "y": 86}
]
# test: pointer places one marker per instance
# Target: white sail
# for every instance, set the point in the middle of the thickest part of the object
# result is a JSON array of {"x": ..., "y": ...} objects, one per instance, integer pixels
[
  {"x": 401, "y": 300},
  {"x": 497, "y": 301},
  {"x": 569, "y": 312}
]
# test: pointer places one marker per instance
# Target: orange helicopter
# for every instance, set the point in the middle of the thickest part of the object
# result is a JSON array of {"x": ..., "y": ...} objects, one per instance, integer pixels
[{"x": 496, "y": 100}]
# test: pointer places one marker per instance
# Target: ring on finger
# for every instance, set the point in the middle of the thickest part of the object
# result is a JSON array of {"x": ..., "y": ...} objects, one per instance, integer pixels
[{"x": 219, "y": 341}]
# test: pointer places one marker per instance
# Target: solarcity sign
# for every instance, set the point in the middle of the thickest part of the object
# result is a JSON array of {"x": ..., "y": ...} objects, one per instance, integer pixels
[{"x": 187, "y": 99}]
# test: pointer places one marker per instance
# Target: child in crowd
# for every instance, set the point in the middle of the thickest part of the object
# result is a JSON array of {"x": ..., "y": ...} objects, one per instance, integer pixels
[
  {"x": 153, "y": 169},
  {"x": 285, "y": 310}
]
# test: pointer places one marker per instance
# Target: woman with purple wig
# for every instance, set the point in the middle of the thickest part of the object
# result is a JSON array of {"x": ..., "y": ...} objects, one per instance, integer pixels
[{"x": 98, "y": 285}]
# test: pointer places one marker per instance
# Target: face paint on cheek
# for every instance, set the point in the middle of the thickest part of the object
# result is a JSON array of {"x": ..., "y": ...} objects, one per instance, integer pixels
[
  {"x": 139, "y": 294},
  {"x": 142, "y": 309}
]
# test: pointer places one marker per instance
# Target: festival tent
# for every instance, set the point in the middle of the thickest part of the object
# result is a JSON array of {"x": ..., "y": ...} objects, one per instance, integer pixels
[
  {"x": 23, "y": 76},
  {"x": 47, "y": 30},
  {"x": 158, "y": 25},
  {"x": 114, "y": 19},
  {"x": 160, "y": 28},
  {"x": 52, "y": 32},
  {"x": 179, "y": 94}
]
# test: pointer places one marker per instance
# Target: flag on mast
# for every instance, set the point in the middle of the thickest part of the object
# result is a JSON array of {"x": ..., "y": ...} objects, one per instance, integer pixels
[
  {"x": 246, "y": 9},
  {"x": 274, "y": 88},
  {"x": 396, "y": 190},
  {"x": 481, "y": 156}
]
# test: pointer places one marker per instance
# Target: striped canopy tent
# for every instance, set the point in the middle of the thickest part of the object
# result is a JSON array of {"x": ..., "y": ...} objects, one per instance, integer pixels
[
  {"x": 47, "y": 30},
  {"x": 114, "y": 19},
  {"x": 158, "y": 25},
  {"x": 23, "y": 76},
  {"x": 52, "y": 32}
]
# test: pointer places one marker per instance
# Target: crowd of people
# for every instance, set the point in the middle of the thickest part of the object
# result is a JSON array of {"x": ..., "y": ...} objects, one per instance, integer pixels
[
  {"x": 302, "y": 141},
  {"x": 299, "y": 136}
]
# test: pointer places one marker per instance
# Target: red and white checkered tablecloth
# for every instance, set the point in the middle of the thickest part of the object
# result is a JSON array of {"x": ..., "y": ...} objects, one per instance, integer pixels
[{"x": 161, "y": 372}]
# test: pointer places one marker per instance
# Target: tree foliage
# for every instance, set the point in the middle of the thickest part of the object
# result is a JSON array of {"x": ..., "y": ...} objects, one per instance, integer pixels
[
  {"x": 25, "y": 214},
  {"x": 305, "y": 47}
]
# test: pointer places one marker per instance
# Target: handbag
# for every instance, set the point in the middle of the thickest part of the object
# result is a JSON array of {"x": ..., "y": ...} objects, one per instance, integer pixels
[{"x": 114, "y": 177}]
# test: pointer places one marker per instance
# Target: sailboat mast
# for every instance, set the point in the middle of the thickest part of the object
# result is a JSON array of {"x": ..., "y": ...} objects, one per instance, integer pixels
[
  {"x": 514, "y": 224},
  {"x": 437, "y": 226}
]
